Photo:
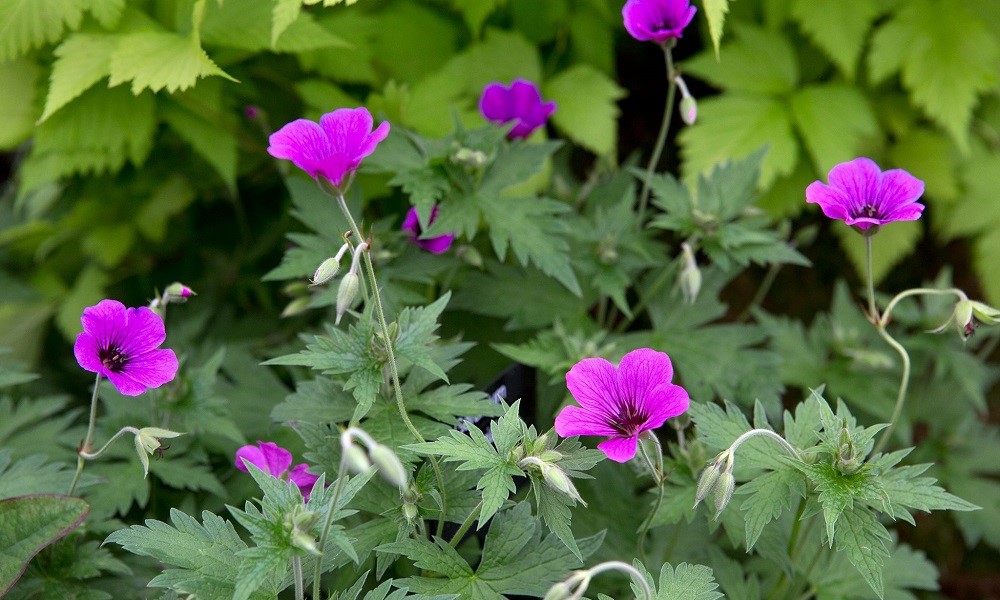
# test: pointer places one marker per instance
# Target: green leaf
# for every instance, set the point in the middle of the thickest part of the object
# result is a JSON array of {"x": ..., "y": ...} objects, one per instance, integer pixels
[
  {"x": 907, "y": 490},
  {"x": 17, "y": 79},
  {"x": 834, "y": 120},
  {"x": 168, "y": 200},
  {"x": 719, "y": 429},
  {"x": 587, "y": 110},
  {"x": 893, "y": 243},
  {"x": 946, "y": 56},
  {"x": 843, "y": 38},
  {"x": 770, "y": 495},
  {"x": 437, "y": 556},
  {"x": 30, "y": 523},
  {"x": 204, "y": 131},
  {"x": 29, "y": 24},
  {"x": 475, "y": 12},
  {"x": 759, "y": 61},
  {"x": 715, "y": 13},
  {"x": 204, "y": 553},
  {"x": 285, "y": 13},
  {"x": 863, "y": 539},
  {"x": 160, "y": 60},
  {"x": 416, "y": 335},
  {"x": 986, "y": 251},
  {"x": 685, "y": 582},
  {"x": 525, "y": 298},
  {"x": 32, "y": 475},
  {"x": 82, "y": 60},
  {"x": 249, "y": 25},
  {"x": 733, "y": 126}
]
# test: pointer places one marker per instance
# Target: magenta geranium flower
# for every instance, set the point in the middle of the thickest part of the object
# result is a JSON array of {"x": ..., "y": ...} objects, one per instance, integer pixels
[
  {"x": 657, "y": 20},
  {"x": 122, "y": 344},
  {"x": 332, "y": 148},
  {"x": 862, "y": 196},
  {"x": 272, "y": 458},
  {"x": 436, "y": 245},
  {"x": 621, "y": 403},
  {"x": 520, "y": 103}
]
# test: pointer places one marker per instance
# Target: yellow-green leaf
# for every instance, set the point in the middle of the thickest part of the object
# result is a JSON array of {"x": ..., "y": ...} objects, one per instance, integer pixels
[
  {"x": 17, "y": 80},
  {"x": 715, "y": 12},
  {"x": 587, "y": 109},
  {"x": 82, "y": 60},
  {"x": 30, "y": 523},
  {"x": 160, "y": 60},
  {"x": 833, "y": 120}
]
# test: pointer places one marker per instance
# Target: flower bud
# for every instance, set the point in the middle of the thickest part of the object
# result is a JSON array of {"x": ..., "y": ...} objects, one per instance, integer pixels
[
  {"x": 724, "y": 489},
  {"x": 389, "y": 465},
  {"x": 304, "y": 541},
  {"x": 559, "y": 591},
  {"x": 688, "y": 106},
  {"x": 557, "y": 479},
  {"x": 356, "y": 458},
  {"x": 410, "y": 511},
  {"x": 295, "y": 307},
  {"x": 690, "y": 276},
  {"x": 178, "y": 293},
  {"x": 326, "y": 271},
  {"x": 345, "y": 294},
  {"x": 707, "y": 482}
]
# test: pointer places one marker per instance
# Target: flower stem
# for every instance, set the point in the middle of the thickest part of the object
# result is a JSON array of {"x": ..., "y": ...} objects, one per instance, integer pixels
[
  {"x": 918, "y": 292},
  {"x": 656, "y": 470},
  {"x": 768, "y": 434},
  {"x": 92, "y": 455},
  {"x": 903, "y": 384},
  {"x": 870, "y": 277},
  {"x": 90, "y": 436},
  {"x": 331, "y": 509},
  {"x": 300, "y": 593},
  {"x": 661, "y": 138},
  {"x": 391, "y": 354},
  {"x": 455, "y": 539}
]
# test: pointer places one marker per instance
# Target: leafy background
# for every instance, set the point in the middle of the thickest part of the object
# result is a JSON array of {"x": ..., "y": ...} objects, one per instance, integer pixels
[{"x": 131, "y": 162}]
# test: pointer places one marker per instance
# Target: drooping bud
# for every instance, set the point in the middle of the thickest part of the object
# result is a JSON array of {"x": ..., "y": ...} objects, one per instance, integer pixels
[
  {"x": 707, "y": 482},
  {"x": 389, "y": 465},
  {"x": 178, "y": 293},
  {"x": 410, "y": 511},
  {"x": 688, "y": 106},
  {"x": 557, "y": 479},
  {"x": 559, "y": 591},
  {"x": 356, "y": 458},
  {"x": 724, "y": 489},
  {"x": 345, "y": 294},
  {"x": 326, "y": 271},
  {"x": 690, "y": 276}
]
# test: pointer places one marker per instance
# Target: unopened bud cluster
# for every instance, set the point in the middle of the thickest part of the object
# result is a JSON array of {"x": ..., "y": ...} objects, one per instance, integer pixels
[
  {"x": 717, "y": 479},
  {"x": 543, "y": 460},
  {"x": 299, "y": 523},
  {"x": 361, "y": 458}
]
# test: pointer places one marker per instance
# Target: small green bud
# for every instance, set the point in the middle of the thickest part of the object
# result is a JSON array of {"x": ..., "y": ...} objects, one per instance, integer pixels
[
  {"x": 178, "y": 293},
  {"x": 724, "y": 489},
  {"x": 706, "y": 483},
  {"x": 410, "y": 511},
  {"x": 326, "y": 271},
  {"x": 389, "y": 465},
  {"x": 559, "y": 591},
  {"x": 345, "y": 294},
  {"x": 688, "y": 108},
  {"x": 147, "y": 441},
  {"x": 471, "y": 256},
  {"x": 550, "y": 456},
  {"x": 356, "y": 458},
  {"x": 557, "y": 479},
  {"x": 304, "y": 541},
  {"x": 690, "y": 275}
]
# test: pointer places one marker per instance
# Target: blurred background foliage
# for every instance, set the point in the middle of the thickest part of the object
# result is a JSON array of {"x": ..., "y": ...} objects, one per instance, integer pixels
[{"x": 132, "y": 160}]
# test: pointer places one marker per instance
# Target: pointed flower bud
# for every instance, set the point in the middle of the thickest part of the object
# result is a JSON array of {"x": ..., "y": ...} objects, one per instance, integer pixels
[
  {"x": 355, "y": 457},
  {"x": 706, "y": 483},
  {"x": 559, "y": 591},
  {"x": 557, "y": 479},
  {"x": 410, "y": 511},
  {"x": 345, "y": 294},
  {"x": 724, "y": 489},
  {"x": 178, "y": 293},
  {"x": 389, "y": 465},
  {"x": 326, "y": 271},
  {"x": 688, "y": 106},
  {"x": 690, "y": 277}
]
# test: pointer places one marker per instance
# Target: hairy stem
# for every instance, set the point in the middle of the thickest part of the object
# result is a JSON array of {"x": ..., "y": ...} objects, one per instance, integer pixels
[
  {"x": 903, "y": 384},
  {"x": 300, "y": 592},
  {"x": 92, "y": 455},
  {"x": 87, "y": 441},
  {"x": 331, "y": 509},
  {"x": 464, "y": 527},
  {"x": 391, "y": 354},
  {"x": 870, "y": 281},
  {"x": 661, "y": 138}
]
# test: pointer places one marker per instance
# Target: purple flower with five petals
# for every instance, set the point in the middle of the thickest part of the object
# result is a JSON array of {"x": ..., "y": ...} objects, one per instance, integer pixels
[
  {"x": 520, "y": 103},
  {"x": 272, "y": 458},
  {"x": 332, "y": 148},
  {"x": 864, "y": 197},
  {"x": 122, "y": 344},
  {"x": 657, "y": 20},
  {"x": 621, "y": 403},
  {"x": 435, "y": 245}
]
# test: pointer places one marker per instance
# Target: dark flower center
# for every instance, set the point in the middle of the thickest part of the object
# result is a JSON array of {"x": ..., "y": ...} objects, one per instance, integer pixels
[
  {"x": 113, "y": 358},
  {"x": 869, "y": 211},
  {"x": 629, "y": 418}
]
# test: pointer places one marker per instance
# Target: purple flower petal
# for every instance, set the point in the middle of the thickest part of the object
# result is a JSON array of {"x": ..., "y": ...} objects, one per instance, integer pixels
[
  {"x": 521, "y": 103},
  {"x": 862, "y": 196},
  {"x": 592, "y": 382},
  {"x": 665, "y": 402},
  {"x": 303, "y": 479},
  {"x": 619, "y": 449},
  {"x": 266, "y": 456},
  {"x": 332, "y": 148},
  {"x": 121, "y": 344},
  {"x": 657, "y": 20},
  {"x": 435, "y": 245},
  {"x": 573, "y": 420}
]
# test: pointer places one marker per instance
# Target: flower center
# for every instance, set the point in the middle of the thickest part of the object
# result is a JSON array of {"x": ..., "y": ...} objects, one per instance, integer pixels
[
  {"x": 113, "y": 358},
  {"x": 629, "y": 419},
  {"x": 869, "y": 211}
]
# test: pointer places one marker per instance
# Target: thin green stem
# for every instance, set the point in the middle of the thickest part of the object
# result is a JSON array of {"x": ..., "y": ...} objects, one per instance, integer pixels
[
  {"x": 903, "y": 384},
  {"x": 464, "y": 527},
  {"x": 918, "y": 292},
  {"x": 331, "y": 509},
  {"x": 870, "y": 280},
  {"x": 661, "y": 138},
  {"x": 656, "y": 470},
  {"x": 300, "y": 592},
  {"x": 391, "y": 354},
  {"x": 85, "y": 446},
  {"x": 92, "y": 455}
]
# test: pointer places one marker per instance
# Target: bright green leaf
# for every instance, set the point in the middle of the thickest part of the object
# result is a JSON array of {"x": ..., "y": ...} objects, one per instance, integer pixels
[
  {"x": 893, "y": 243},
  {"x": 715, "y": 13},
  {"x": 759, "y": 61},
  {"x": 30, "y": 523},
  {"x": 160, "y": 60},
  {"x": 834, "y": 120},
  {"x": 29, "y": 24},
  {"x": 82, "y": 60},
  {"x": 587, "y": 110},
  {"x": 841, "y": 38},
  {"x": 17, "y": 80}
]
